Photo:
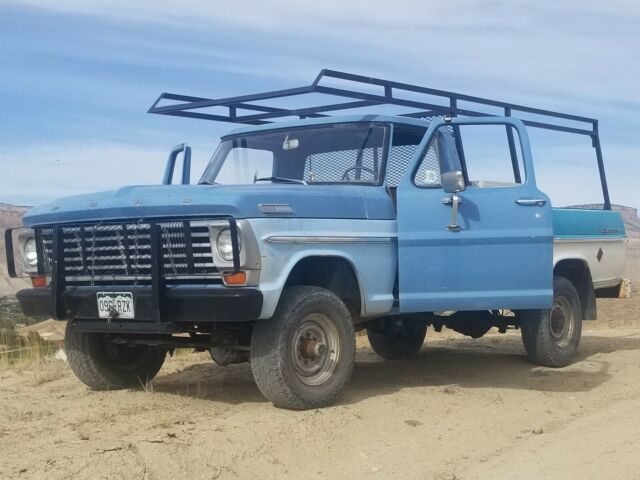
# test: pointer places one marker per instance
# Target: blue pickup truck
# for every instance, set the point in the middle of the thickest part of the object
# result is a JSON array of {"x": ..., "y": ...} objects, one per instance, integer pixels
[{"x": 301, "y": 232}]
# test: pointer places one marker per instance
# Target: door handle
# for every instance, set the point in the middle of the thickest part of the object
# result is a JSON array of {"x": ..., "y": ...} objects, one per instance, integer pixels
[
  {"x": 449, "y": 200},
  {"x": 531, "y": 202}
]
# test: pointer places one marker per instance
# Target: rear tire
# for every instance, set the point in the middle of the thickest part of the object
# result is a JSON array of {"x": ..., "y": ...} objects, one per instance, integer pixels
[
  {"x": 398, "y": 337},
  {"x": 103, "y": 365},
  {"x": 551, "y": 336},
  {"x": 303, "y": 356}
]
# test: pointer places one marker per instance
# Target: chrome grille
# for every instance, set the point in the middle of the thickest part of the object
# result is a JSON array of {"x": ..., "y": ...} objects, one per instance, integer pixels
[{"x": 111, "y": 253}]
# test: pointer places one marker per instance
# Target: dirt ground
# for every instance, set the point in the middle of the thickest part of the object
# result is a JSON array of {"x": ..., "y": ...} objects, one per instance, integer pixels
[{"x": 465, "y": 409}]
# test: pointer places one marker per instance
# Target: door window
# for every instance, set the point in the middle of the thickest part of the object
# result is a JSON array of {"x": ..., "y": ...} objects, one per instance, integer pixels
[
  {"x": 487, "y": 161},
  {"x": 488, "y": 157}
]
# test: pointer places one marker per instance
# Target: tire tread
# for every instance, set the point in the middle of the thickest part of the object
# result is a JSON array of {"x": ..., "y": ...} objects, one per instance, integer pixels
[
  {"x": 81, "y": 350},
  {"x": 536, "y": 336},
  {"x": 268, "y": 349},
  {"x": 391, "y": 347}
]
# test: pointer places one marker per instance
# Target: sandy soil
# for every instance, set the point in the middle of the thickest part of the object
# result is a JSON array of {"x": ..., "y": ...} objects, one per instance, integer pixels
[{"x": 465, "y": 409}]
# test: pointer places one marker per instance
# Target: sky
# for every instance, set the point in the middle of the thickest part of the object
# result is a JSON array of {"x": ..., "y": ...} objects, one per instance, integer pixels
[{"x": 77, "y": 78}]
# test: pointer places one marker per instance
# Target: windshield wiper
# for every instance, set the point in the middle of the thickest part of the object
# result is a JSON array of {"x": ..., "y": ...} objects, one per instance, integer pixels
[
  {"x": 280, "y": 180},
  {"x": 207, "y": 182}
]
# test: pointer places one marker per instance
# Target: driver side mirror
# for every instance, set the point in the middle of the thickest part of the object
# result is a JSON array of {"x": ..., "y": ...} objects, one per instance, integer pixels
[{"x": 453, "y": 182}]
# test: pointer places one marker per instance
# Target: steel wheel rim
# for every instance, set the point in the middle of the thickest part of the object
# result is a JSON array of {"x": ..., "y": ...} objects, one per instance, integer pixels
[
  {"x": 561, "y": 322},
  {"x": 315, "y": 349}
]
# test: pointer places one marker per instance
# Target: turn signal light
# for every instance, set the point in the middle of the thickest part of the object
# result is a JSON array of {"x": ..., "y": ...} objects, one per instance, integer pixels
[
  {"x": 239, "y": 278},
  {"x": 39, "y": 282}
]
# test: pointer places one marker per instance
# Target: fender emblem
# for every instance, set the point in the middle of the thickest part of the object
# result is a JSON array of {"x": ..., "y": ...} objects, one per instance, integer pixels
[{"x": 271, "y": 208}]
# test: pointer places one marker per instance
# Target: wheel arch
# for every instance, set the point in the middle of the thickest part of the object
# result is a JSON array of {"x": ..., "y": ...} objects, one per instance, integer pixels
[
  {"x": 333, "y": 272},
  {"x": 577, "y": 271}
]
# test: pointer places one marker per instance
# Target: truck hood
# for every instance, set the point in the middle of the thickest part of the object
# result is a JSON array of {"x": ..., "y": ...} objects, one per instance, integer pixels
[{"x": 239, "y": 201}]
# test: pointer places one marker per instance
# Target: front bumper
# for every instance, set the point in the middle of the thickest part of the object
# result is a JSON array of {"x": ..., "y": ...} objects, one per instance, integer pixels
[{"x": 176, "y": 305}]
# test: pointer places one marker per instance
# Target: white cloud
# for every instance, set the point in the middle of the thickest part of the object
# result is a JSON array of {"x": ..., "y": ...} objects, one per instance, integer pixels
[
  {"x": 573, "y": 48},
  {"x": 45, "y": 172},
  {"x": 569, "y": 174},
  {"x": 297, "y": 15},
  {"x": 578, "y": 56}
]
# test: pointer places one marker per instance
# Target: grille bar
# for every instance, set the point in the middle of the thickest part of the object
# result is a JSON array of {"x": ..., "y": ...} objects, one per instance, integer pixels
[{"x": 105, "y": 253}]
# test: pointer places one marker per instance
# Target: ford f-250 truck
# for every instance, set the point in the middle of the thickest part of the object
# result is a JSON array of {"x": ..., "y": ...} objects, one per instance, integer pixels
[{"x": 303, "y": 231}]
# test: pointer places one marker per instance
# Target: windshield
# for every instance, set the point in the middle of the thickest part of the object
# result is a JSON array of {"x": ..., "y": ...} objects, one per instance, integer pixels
[{"x": 337, "y": 153}]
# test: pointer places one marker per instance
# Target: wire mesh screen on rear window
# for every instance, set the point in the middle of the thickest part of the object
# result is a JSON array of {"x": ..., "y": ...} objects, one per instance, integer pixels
[
  {"x": 399, "y": 158},
  {"x": 344, "y": 166},
  {"x": 403, "y": 148}
]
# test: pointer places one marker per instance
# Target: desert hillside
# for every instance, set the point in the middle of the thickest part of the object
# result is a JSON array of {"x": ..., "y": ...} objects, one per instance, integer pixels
[
  {"x": 631, "y": 220},
  {"x": 10, "y": 216},
  {"x": 629, "y": 215},
  {"x": 632, "y": 224}
]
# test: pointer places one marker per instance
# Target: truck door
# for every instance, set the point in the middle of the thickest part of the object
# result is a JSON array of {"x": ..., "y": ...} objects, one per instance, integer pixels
[{"x": 497, "y": 251}]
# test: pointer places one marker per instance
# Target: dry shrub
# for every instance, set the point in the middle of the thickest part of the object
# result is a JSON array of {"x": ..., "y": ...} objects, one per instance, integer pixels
[
  {"x": 33, "y": 358},
  {"x": 148, "y": 386},
  {"x": 28, "y": 353}
]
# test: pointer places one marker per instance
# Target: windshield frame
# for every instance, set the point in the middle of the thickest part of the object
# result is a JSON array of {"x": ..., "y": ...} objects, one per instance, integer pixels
[{"x": 386, "y": 140}]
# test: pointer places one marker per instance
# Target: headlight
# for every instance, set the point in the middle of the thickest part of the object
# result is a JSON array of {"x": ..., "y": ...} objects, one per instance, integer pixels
[
  {"x": 30, "y": 252},
  {"x": 223, "y": 244}
]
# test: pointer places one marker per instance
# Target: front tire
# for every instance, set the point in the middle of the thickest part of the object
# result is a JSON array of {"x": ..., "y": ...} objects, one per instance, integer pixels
[
  {"x": 103, "y": 365},
  {"x": 551, "y": 336},
  {"x": 304, "y": 355},
  {"x": 393, "y": 338}
]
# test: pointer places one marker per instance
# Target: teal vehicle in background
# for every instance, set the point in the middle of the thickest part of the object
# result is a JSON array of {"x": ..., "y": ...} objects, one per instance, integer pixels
[{"x": 301, "y": 232}]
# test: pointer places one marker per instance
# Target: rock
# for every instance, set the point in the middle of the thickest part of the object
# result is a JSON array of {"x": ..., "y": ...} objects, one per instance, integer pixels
[{"x": 413, "y": 423}]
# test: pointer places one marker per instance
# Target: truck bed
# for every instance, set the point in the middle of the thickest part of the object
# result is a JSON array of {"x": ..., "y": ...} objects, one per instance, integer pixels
[{"x": 597, "y": 237}]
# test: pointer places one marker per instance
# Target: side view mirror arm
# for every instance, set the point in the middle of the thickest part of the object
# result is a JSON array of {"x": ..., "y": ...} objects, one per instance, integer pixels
[
  {"x": 171, "y": 164},
  {"x": 453, "y": 182},
  {"x": 454, "y": 200}
]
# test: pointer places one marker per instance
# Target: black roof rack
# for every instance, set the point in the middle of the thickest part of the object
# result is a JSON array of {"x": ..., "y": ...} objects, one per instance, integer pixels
[{"x": 390, "y": 93}]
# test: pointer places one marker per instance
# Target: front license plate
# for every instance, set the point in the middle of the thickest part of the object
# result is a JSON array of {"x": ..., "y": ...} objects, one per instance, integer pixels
[{"x": 115, "y": 305}]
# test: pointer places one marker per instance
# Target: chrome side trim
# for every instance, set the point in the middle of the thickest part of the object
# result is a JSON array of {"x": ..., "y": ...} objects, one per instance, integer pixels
[
  {"x": 328, "y": 239},
  {"x": 276, "y": 208},
  {"x": 589, "y": 240}
]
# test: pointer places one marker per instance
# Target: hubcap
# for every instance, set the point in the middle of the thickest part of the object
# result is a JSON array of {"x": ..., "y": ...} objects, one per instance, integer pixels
[
  {"x": 315, "y": 349},
  {"x": 562, "y": 322}
]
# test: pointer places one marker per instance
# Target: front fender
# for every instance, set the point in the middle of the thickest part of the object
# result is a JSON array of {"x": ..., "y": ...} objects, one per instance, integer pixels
[{"x": 370, "y": 247}]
